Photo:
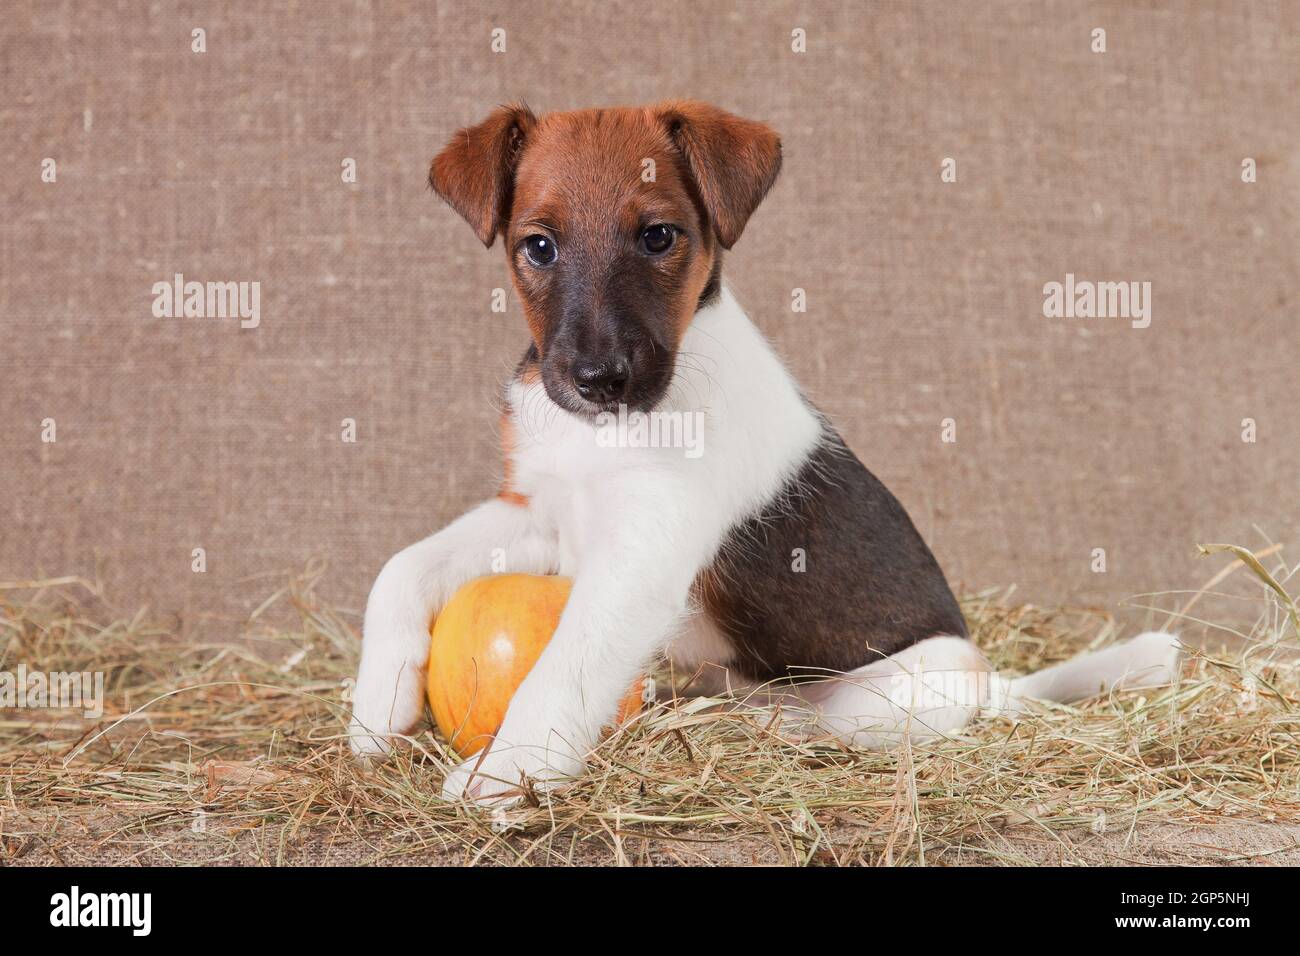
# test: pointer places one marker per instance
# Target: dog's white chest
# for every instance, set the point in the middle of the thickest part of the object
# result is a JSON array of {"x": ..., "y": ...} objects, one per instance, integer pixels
[{"x": 730, "y": 432}]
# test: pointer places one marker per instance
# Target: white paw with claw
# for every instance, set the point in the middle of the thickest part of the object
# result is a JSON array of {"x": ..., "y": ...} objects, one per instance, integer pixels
[
  {"x": 499, "y": 776},
  {"x": 388, "y": 701}
]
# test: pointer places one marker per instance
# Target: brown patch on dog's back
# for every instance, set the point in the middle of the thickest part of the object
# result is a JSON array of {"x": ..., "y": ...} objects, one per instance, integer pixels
[{"x": 869, "y": 586}]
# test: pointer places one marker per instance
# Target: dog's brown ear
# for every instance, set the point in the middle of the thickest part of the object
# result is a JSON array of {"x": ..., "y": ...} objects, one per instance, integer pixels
[
  {"x": 734, "y": 161},
  {"x": 475, "y": 172}
]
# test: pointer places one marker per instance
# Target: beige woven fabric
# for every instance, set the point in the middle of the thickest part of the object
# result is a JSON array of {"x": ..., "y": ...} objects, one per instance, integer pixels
[{"x": 925, "y": 298}]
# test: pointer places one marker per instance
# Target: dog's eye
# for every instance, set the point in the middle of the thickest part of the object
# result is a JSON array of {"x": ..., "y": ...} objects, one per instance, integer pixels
[
  {"x": 657, "y": 239},
  {"x": 540, "y": 250}
]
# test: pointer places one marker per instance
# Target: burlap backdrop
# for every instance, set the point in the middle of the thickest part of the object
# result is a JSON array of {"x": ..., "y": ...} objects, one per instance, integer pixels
[{"x": 924, "y": 298}]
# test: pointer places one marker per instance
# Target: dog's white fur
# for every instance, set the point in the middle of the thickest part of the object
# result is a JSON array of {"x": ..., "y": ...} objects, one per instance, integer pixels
[{"x": 634, "y": 527}]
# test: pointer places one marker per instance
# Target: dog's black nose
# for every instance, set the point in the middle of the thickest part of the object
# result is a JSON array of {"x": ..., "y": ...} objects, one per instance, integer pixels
[{"x": 603, "y": 381}]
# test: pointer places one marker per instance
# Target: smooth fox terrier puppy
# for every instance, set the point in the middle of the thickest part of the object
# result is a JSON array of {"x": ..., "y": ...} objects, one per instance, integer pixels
[{"x": 614, "y": 223}]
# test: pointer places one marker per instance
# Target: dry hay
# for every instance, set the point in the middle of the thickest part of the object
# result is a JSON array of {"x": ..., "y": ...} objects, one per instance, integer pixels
[{"x": 234, "y": 752}]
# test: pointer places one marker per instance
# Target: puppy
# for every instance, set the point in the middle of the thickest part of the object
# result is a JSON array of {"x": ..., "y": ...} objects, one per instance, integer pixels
[{"x": 771, "y": 554}]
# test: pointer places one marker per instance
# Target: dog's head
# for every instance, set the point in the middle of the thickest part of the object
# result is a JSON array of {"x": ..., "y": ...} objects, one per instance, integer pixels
[{"x": 613, "y": 222}]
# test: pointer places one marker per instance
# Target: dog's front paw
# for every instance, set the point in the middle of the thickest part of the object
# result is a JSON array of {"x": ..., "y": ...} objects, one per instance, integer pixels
[
  {"x": 366, "y": 744},
  {"x": 387, "y": 701},
  {"x": 501, "y": 776}
]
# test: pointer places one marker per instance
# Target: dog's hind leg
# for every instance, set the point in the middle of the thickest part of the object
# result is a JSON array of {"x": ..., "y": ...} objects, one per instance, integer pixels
[
  {"x": 934, "y": 687},
  {"x": 930, "y": 689},
  {"x": 414, "y": 584}
]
